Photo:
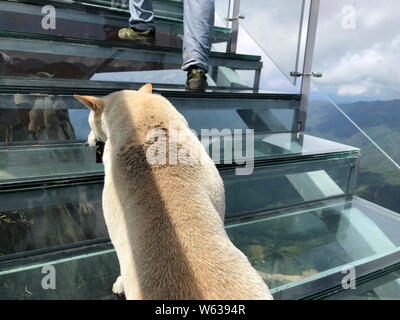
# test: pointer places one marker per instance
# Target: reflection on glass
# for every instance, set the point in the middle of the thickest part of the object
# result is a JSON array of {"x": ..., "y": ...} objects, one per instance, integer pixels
[
  {"x": 46, "y": 65},
  {"x": 275, "y": 26},
  {"x": 50, "y": 217}
]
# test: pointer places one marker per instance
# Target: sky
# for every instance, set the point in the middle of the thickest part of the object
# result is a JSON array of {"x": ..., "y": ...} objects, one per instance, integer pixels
[
  {"x": 357, "y": 46},
  {"x": 360, "y": 59}
]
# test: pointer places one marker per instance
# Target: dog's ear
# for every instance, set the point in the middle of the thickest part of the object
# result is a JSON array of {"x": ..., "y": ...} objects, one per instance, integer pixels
[
  {"x": 147, "y": 88},
  {"x": 93, "y": 103}
]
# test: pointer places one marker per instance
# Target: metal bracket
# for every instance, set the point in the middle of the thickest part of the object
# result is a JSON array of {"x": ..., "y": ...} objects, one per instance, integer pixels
[
  {"x": 235, "y": 18},
  {"x": 312, "y": 74}
]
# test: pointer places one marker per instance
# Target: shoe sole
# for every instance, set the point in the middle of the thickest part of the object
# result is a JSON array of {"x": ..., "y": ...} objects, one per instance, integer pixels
[{"x": 196, "y": 85}]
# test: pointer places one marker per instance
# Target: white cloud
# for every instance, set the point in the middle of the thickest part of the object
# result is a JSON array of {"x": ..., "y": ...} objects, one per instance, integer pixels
[
  {"x": 351, "y": 90},
  {"x": 364, "y": 61}
]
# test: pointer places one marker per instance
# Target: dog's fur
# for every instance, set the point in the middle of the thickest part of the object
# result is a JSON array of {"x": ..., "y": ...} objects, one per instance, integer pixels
[{"x": 166, "y": 221}]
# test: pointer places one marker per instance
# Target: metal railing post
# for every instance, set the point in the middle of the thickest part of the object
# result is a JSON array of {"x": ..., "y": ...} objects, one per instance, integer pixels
[
  {"x": 307, "y": 66},
  {"x": 232, "y": 44}
]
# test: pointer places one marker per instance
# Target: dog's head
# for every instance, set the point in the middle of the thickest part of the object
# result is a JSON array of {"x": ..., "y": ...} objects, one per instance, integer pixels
[{"x": 96, "y": 122}]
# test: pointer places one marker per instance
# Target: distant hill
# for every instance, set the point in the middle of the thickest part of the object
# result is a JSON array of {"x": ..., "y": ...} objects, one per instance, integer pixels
[{"x": 379, "y": 179}]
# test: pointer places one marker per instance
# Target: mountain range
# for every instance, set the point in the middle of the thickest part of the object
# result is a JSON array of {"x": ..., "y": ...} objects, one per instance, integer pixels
[{"x": 374, "y": 127}]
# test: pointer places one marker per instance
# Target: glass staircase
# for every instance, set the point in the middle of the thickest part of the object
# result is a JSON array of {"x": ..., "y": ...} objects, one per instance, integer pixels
[{"x": 295, "y": 216}]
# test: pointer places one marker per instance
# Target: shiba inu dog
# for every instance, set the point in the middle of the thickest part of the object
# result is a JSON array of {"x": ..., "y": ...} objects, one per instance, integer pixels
[{"x": 165, "y": 220}]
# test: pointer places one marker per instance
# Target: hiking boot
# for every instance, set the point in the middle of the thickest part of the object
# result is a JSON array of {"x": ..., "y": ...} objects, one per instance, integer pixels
[
  {"x": 133, "y": 34},
  {"x": 196, "y": 80}
]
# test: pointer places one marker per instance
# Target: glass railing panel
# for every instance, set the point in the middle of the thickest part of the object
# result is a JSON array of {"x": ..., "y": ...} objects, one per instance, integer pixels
[
  {"x": 378, "y": 178},
  {"x": 223, "y": 9},
  {"x": 295, "y": 248},
  {"x": 362, "y": 98},
  {"x": 276, "y": 27}
]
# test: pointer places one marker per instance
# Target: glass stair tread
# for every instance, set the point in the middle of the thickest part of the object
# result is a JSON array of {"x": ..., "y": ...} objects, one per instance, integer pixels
[
  {"x": 164, "y": 9},
  {"x": 301, "y": 252},
  {"x": 120, "y": 45},
  {"x": 382, "y": 285},
  {"x": 23, "y": 85},
  {"x": 43, "y": 213},
  {"x": 209, "y": 110},
  {"x": 306, "y": 168},
  {"x": 298, "y": 252},
  {"x": 259, "y": 187},
  {"x": 36, "y": 56},
  {"x": 73, "y": 271},
  {"x": 36, "y": 173},
  {"x": 279, "y": 147},
  {"x": 91, "y": 21},
  {"x": 32, "y": 160},
  {"x": 95, "y": 6}
]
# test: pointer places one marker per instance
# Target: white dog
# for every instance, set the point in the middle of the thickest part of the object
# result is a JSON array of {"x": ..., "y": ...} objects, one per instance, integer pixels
[{"x": 165, "y": 220}]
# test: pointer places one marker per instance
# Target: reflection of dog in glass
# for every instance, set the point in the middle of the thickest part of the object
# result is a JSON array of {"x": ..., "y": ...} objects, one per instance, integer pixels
[
  {"x": 49, "y": 120},
  {"x": 165, "y": 220}
]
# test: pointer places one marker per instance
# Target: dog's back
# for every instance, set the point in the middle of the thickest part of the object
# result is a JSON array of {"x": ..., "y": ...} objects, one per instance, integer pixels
[{"x": 166, "y": 219}]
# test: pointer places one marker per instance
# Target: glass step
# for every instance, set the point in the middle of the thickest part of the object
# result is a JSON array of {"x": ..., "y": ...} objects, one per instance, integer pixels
[
  {"x": 303, "y": 252},
  {"x": 41, "y": 56},
  {"x": 38, "y": 213},
  {"x": 261, "y": 112},
  {"x": 299, "y": 252},
  {"x": 52, "y": 162},
  {"x": 15, "y": 84},
  {"x": 383, "y": 285},
  {"x": 92, "y": 270},
  {"x": 79, "y": 21},
  {"x": 61, "y": 141}
]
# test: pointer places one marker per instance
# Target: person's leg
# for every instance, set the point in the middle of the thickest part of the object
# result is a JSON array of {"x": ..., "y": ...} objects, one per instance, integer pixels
[
  {"x": 142, "y": 15},
  {"x": 198, "y": 26},
  {"x": 141, "y": 23}
]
